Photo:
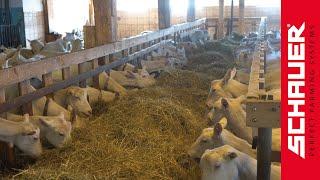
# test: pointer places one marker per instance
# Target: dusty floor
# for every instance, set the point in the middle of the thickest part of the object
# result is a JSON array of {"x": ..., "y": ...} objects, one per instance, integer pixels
[{"x": 142, "y": 136}]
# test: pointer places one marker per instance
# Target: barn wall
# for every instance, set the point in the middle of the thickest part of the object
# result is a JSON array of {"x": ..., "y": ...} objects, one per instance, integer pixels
[
  {"x": 62, "y": 20},
  {"x": 34, "y": 21},
  {"x": 273, "y": 14},
  {"x": 134, "y": 23}
]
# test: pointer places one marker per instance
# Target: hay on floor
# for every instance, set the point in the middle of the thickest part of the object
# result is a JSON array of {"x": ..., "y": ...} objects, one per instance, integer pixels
[{"x": 143, "y": 136}]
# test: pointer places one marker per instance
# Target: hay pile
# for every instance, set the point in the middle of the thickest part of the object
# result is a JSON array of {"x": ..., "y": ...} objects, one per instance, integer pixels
[
  {"x": 211, "y": 63},
  {"x": 142, "y": 136}
]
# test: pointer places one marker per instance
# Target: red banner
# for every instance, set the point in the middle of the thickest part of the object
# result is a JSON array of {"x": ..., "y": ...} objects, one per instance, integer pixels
[{"x": 300, "y": 26}]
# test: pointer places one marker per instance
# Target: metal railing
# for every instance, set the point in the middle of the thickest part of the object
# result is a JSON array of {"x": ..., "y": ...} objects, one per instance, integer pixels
[{"x": 10, "y": 35}]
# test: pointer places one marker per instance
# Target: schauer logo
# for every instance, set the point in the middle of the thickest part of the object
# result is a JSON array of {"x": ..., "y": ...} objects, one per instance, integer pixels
[{"x": 296, "y": 98}]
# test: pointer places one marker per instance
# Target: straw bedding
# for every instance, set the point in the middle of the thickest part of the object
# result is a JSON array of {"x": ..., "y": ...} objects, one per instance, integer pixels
[{"x": 142, "y": 136}]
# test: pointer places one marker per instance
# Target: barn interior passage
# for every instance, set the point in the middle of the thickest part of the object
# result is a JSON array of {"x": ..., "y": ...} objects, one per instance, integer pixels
[{"x": 139, "y": 89}]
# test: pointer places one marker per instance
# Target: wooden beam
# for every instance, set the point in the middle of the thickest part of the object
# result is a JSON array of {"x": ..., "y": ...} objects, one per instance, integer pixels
[
  {"x": 24, "y": 99},
  {"x": 91, "y": 13},
  {"x": 241, "y": 17},
  {"x": 89, "y": 36},
  {"x": 105, "y": 15},
  {"x": 191, "y": 14},
  {"x": 164, "y": 14},
  {"x": 45, "y": 17},
  {"x": 27, "y": 71},
  {"x": 220, "y": 33}
]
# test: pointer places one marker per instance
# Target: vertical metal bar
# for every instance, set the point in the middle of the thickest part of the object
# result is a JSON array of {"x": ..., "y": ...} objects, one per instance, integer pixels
[
  {"x": 265, "y": 61},
  {"x": 231, "y": 19},
  {"x": 264, "y": 153}
]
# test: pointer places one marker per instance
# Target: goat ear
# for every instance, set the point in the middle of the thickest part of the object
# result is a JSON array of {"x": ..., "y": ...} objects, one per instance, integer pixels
[
  {"x": 233, "y": 73},
  {"x": 61, "y": 115},
  {"x": 231, "y": 155},
  {"x": 224, "y": 103},
  {"x": 43, "y": 122},
  {"x": 70, "y": 91},
  {"x": 73, "y": 117},
  {"x": 226, "y": 77},
  {"x": 217, "y": 129},
  {"x": 223, "y": 122},
  {"x": 26, "y": 118},
  {"x": 242, "y": 99},
  {"x": 88, "y": 98},
  {"x": 69, "y": 108}
]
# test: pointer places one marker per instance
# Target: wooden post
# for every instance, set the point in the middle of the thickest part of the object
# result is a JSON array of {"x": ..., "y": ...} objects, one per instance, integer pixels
[
  {"x": 264, "y": 153},
  {"x": 231, "y": 19},
  {"x": 45, "y": 18},
  {"x": 191, "y": 14},
  {"x": 164, "y": 14},
  {"x": 95, "y": 79},
  {"x": 81, "y": 69},
  {"x": 91, "y": 13},
  {"x": 2, "y": 100},
  {"x": 220, "y": 33},
  {"x": 24, "y": 89},
  {"x": 66, "y": 74},
  {"x": 89, "y": 36},
  {"x": 90, "y": 42},
  {"x": 241, "y": 17},
  {"x": 105, "y": 15},
  {"x": 6, "y": 152},
  {"x": 47, "y": 81}
]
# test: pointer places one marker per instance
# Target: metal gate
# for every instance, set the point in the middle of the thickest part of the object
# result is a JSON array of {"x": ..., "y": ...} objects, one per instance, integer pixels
[{"x": 10, "y": 34}]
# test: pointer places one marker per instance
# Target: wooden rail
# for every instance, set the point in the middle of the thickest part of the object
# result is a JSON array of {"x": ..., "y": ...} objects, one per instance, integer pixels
[
  {"x": 262, "y": 112},
  {"x": 213, "y": 22},
  {"x": 22, "y": 74}
]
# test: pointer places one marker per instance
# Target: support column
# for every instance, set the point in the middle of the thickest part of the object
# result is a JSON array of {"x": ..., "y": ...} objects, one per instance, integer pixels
[
  {"x": 220, "y": 33},
  {"x": 105, "y": 16},
  {"x": 45, "y": 19},
  {"x": 241, "y": 17},
  {"x": 164, "y": 14},
  {"x": 191, "y": 15},
  {"x": 231, "y": 19},
  {"x": 91, "y": 13}
]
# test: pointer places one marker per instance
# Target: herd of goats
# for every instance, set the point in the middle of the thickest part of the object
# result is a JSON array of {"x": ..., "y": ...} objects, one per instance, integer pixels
[{"x": 224, "y": 149}]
